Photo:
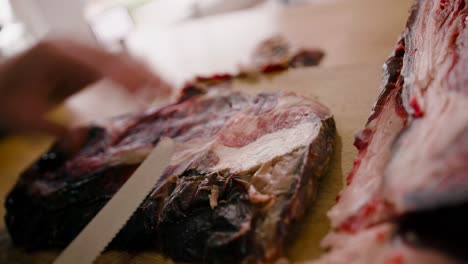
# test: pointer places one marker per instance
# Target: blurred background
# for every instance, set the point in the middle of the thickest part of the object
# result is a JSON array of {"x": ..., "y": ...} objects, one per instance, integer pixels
[
  {"x": 180, "y": 39},
  {"x": 166, "y": 33}
]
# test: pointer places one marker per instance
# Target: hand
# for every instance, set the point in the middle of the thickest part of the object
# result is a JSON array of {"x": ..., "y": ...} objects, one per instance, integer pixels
[{"x": 39, "y": 79}]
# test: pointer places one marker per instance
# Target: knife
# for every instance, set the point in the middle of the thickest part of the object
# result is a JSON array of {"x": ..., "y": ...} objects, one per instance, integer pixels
[{"x": 95, "y": 237}]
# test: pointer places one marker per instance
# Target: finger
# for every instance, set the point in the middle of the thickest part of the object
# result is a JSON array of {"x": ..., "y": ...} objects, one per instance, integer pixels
[
  {"x": 121, "y": 68},
  {"x": 50, "y": 74},
  {"x": 72, "y": 78},
  {"x": 43, "y": 126},
  {"x": 72, "y": 140},
  {"x": 135, "y": 76}
]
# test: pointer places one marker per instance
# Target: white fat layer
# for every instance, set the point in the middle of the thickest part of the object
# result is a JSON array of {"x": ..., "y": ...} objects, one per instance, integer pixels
[
  {"x": 262, "y": 150},
  {"x": 294, "y": 100},
  {"x": 265, "y": 148},
  {"x": 431, "y": 157}
]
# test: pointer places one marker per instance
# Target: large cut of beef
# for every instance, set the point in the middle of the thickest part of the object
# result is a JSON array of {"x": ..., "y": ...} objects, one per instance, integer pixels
[
  {"x": 406, "y": 199},
  {"x": 245, "y": 169}
]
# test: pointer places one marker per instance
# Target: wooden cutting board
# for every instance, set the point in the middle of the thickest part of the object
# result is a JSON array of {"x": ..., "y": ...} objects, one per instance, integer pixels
[{"x": 357, "y": 37}]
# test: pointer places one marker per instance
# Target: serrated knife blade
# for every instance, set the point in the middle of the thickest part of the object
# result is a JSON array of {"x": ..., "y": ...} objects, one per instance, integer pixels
[{"x": 95, "y": 237}]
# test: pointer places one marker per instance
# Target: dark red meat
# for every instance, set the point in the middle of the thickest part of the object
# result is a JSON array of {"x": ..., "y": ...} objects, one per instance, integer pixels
[
  {"x": 246, "y": 168},
  {"x": 411, "y": 173}
]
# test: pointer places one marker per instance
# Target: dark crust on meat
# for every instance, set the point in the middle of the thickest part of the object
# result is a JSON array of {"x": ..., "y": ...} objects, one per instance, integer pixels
[{"x": 392, "y": 80}]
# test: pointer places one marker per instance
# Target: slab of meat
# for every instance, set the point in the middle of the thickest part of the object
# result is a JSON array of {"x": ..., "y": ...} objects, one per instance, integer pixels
[
  {"x": 246, "y": 168},
  {"x": 429, "y": 166},
  {"x": 411, "y": 175}
]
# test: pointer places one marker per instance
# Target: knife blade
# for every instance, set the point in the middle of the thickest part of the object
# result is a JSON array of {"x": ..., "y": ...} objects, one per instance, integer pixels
[{"x": 95, "y": 237}]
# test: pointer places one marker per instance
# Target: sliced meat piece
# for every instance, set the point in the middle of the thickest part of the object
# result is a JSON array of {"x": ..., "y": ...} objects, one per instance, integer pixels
[
  {"x": 246, "y": 168},
  {"x": 276, "y": 51},
  {"x": 415, "y": 175}
]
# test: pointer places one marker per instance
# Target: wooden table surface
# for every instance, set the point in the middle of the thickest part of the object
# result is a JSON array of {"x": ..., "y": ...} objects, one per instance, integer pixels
[{"x": 357, "y": 36}]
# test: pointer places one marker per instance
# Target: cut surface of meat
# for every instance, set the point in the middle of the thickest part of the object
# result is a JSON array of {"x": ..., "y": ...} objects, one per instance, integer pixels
[
  {"x": 360, "y": 204},
  {"x": 429, "y": 168},
  {"x": 245, "y": 169},
  {"x": 411, "y": 172}
]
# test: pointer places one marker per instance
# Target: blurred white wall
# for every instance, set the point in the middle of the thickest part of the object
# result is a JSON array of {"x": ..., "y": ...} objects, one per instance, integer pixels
[
  {"x": 202, "y": 46},
  {"x": 42, "y": 17},
  {"x": 13, "y": 37},
  {"x": 5, "y": 11}
]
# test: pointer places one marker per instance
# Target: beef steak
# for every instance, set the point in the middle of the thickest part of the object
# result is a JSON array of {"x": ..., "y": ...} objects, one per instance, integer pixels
[
  {"x": 407, "y": 195},
  {"x": 245, "y": 168}
]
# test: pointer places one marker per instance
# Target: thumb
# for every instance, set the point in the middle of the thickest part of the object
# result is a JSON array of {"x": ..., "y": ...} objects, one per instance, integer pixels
[
  {"x": 45, "y": 126},
  {"x": 71, "y": 140}
]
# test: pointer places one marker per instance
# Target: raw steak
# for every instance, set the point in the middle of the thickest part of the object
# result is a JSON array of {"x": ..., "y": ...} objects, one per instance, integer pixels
[
  {"x": 246, "y": 168},
  {"x": 410, "y": 179}
]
